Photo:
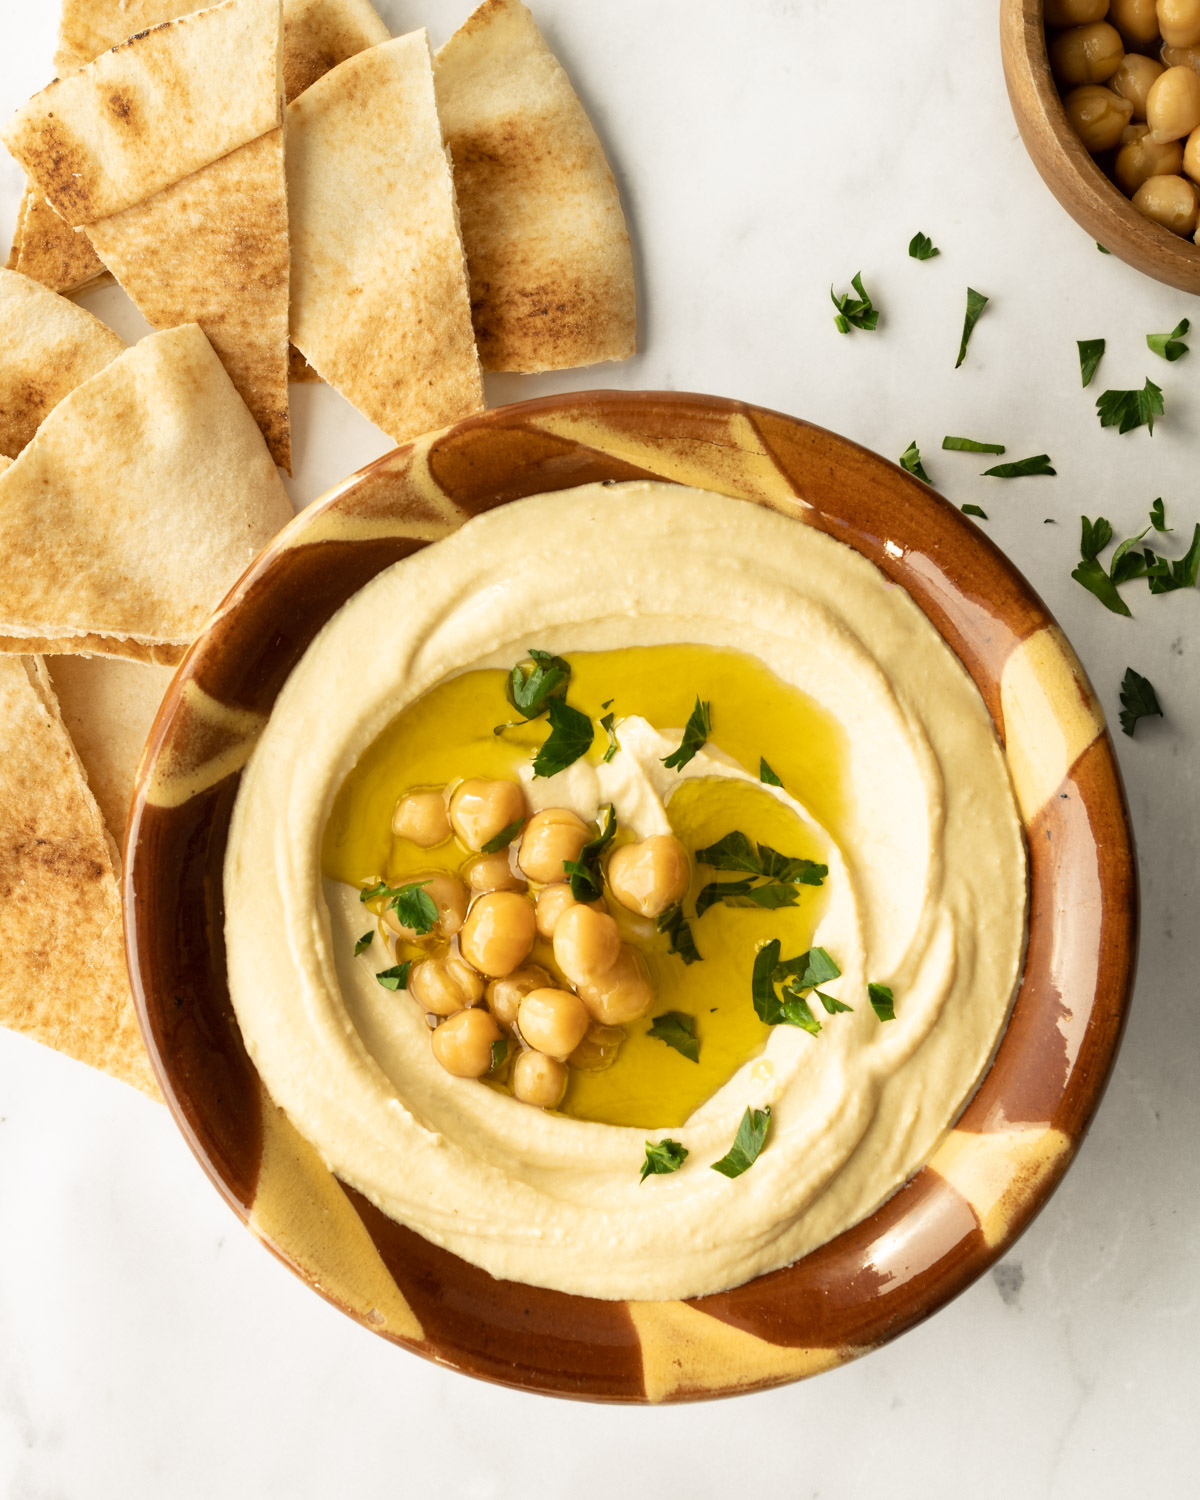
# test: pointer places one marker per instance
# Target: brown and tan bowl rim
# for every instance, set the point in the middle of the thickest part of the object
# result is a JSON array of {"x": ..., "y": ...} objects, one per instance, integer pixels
[
  {"x": 1068, "y": 169},
  {"x": 990, "y": 1175}
]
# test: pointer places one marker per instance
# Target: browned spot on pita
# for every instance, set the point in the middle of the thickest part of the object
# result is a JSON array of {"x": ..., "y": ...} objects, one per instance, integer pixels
[{"x": 120, "y": 104}]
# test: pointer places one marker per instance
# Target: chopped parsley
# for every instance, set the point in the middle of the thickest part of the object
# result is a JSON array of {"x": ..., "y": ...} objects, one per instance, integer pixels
[
  {"x": 662, "y": 1158},
  {"x": 831, "y": 1003},
  {"x": 1165, "y": 576},
  {"x": 677, "y": 1030},
  {"x": 1022, "y": 468},
  {"x": 571, "y": 735},
  {"x": 606, "y": 723},
  {"x": 780, "y": 874},
  {"x": 1126, "y": 410},
  {"x": 695, "y": 733},
  {"x": 1158, "y": 517},
  {"x": 796, "y": 975},
  {"x": 415, "y": 908},
  {"x": 499, "y": 1053},
  {"x": 976, "y": 302},
  {"x": 1090, "y": 571},
  {"x": 910, "y": 460},
  {"x": 679, "y": 932},
  {"x": 395, "y": 978},
  {"x": 969, "y": 445},
  {"x": 1102, "y": 249},
  {"x": 765, "y": 773},
  {"x": 1091, "y": 352},
  {"x": 882, "y": 1001},
  {"x": 532, "y": 684},
  {"x": 1138, "y": 701},
  {"x": 584, "y": 873},
  {"x": 364, "y": 942},
  {"x": 1168, "y": 344},
  {"x": 747, "y": 1144},
  {"x": 855, "y": 312},
  {"x": 921, "y": 247},
  {"x": 974, "y": 510},
  {"x": 503, "y": 838}
]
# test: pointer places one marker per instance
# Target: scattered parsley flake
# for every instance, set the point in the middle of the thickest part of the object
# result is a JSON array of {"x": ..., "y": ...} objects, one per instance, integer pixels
[
  {"x": 679, "y": 933},
  {"x": 364, "y": 942},
  {"x": 584, "y": 873},
  {"x": 499, "y": 1053},
  {"x": 831, "y": 1003},
  {"x": 855, "y": 312},
  {"x": 1091, "y": 352},
  {"x": 1158, "y": 517},
  {"x": 1168, "y": 344},
  {"x": 606, "y": 723},
  {"x": 765, "y": 773},
  {"x": 571, "y": 735},
  {"x": 974, "y": 510},
  {"x": 781, "y": 874},
  {"x": 976, "y": 302},
  {"x": 751, "y": 1134},
  {"x": 695, "y": 734},
  {"x": 969, "y": 445},
  {"x": 663, "y": 1157},
  {"x": 1102, "y": 249},
  {"x": 910, "y": 460},
  {"x": 395, "y": 978},
  {"x": 415, "y": 908},
  {"x": 532, "y": 685},
  {"x": 503, "y": 838},
  {"x": 1022, "y": 468},
  {"x": 1165, "y": 576},
  {"x": 921, "y": 247},
  {"x": 1138, "y": 701},
  {"x": 1126, "y": 410},
  {"x": 882, "y": 1001},
  {"x": 1090, "y": 572},
  {"x": 677, "y": 1030}
]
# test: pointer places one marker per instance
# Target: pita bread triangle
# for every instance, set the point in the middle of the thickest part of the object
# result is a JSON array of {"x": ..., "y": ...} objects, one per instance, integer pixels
[
  {"x": 379, "y": 289},
  {"x": 50, "y": 251},
  {"x": 145, "y": 494},
  {"x": 547, "y": 248},
  {"x": 48, "y": 346},
  {"x": 63, "y": 981}
]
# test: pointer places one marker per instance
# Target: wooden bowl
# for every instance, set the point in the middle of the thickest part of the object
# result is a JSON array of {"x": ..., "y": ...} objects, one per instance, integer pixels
[
  {"x": 1068, "y": 168},
  {"x": 993, "y": 1170}
]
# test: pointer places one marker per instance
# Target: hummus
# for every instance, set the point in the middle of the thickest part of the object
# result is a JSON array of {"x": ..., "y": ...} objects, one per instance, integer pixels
[{"x": 926, "y": 893}]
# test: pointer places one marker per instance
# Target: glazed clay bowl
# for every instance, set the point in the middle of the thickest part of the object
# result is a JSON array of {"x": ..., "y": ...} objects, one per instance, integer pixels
[
  {"x": 991, "y": 1173},
  {"x": 1067, "y": 167}
]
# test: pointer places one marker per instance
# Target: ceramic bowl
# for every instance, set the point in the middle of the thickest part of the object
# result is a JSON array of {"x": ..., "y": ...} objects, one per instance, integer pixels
[
  {"x": 991, "y": 1173},
  {"x": 1067, "y": 167}
]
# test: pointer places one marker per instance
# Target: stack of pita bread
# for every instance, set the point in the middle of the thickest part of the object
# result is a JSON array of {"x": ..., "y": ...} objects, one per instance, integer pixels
[{"x": 279, "y": 186}]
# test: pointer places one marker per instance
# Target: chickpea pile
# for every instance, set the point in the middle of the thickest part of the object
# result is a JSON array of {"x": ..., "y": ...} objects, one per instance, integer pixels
[
  {"x": 1130, "y": 75},
  {"x": 475, "y": 979}
]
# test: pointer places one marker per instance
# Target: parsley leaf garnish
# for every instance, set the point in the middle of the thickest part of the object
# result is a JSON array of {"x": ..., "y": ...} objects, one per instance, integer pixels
[
  {"x": 695, "y": 733},
  {"x": 503, "y": 838},
  {"x": 571, "y": 735},
  {"x": 1158, "y": 517},
  {"x": 1138, "y": 701},
  {"x": 810, "y": 969},
  {"x": 1126, "y": 410},
  {"x": 969, "y": 445},
  {"x": 412, "y": 903},
  {"x": 832, "y": 1005},
  {"x": 796, "y": 975},
  {"x": 921, "y": 247},
  {"x": 974, "y": 510},
  {"x": 766, "y": 775},
  {"x": 910, "y": 460},
  {"x": 976, "y": 302},
  {"x": 587, "y": 881},
  {"x": 1165, "y": 576},
  {"x": 882, "y": 1001},
  {"x": 679, "y": 931},
  {"x": 1022, "y": 468},
  {"x": 364, "y": 942},
  {"x": 1090, "y": 572},
  {"x": 780, "y": 874},
  {"x": 747, "y": 1144},
  {"x": 499, "y": 1053},
  {"x": 677, "y": 1030},
  {"x": 855, "y": 312},
  {"x": 1091, "y": 352},
  {"x": 1102, "y": 249},
  {"x": 1167, "y": 344},
  {"x": 606, "y": 723},
  {"x": 395, "y": 978},
  {"x": 663, "y": 1157},
  {"x": 532, "y": 685}
]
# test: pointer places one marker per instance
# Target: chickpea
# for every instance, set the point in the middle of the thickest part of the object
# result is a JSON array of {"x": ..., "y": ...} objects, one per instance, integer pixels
[
  {"x": 1173, "y": 104},
  {"x": 420, "y": 817},
  {"x": 586, "y": 943},
  {"x": 449, "y": 896},
  {"x": 1074, "y": 12},
  {"x": 621, "y": 995},
  {"x": 650, "y": 875},
  {"x": 498, "y": 933},
  {"x": 493, "y": 872},
  {"x": 538, "y": 1079},
  {"x": 1179, "y": 22},
  {"x": 551, "y": 837},
  {"x": 1181, "y": 57},
  {"x": 504, "y": 996},
  {"x": 1141, "y": 158},
  {"x": 1136, "y": 20},
  {"x": 444, "y": 985},
  {"x": 552, "y": 901},
  {"x": 599, "y": 1048},
  {"x": 1191, "y": 155},
  {"x": 1169, "y": 201},
  {"x": 553, "y": 1021},
  {"x": 1097, "y": 116},
  {"x": 463, "y": 1044},
  {"x": 481, "y": 810},
  {"x": 1086, "y": 54},
  {"x": 1132, "y": 81}
]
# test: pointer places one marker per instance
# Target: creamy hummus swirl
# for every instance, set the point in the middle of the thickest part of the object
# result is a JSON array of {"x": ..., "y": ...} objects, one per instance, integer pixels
[{"x": 926, "y": 893}]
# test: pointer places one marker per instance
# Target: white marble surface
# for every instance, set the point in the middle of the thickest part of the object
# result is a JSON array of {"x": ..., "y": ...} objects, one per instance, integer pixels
[{"x": 149, "y": 1347}]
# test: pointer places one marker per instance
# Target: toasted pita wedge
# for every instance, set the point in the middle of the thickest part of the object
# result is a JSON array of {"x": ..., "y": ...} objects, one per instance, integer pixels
[
  {"x": 48, "y": 346},
  {"x": 18, "y": 232},
  {"x": 379, "y": 287},
  {"x": 548, "y": 252},
  {"x": 108, "y": 707},
  {"x": 63, "y": 980},
  {"x": 213, "y": 249},
  {"x": 143, "y": 497},
  {"x": 51, "y": 252}
]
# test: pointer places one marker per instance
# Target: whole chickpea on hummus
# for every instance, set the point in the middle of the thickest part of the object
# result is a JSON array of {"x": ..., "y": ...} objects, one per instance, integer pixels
[{"x": 626, "y": 833}]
